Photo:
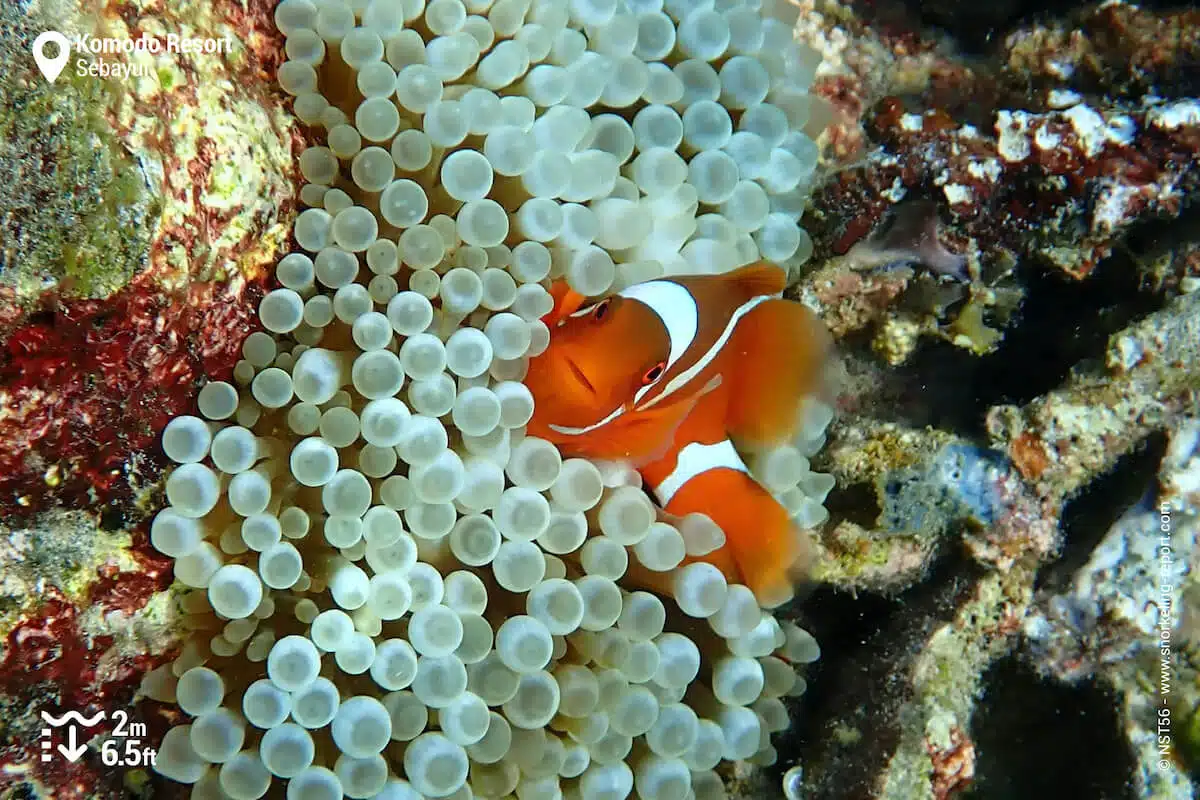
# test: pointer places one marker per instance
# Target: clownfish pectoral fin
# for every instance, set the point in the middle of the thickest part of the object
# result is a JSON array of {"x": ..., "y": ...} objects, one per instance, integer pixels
[
  {"x": 778, "y": 355},
  {"x": 763, "y": 547},
  {"x": 635, "y": 439},
  {"x": 652, "y": 433},
  {"x": 761, "y": 278},
  {"x": 566, "y": 302}
]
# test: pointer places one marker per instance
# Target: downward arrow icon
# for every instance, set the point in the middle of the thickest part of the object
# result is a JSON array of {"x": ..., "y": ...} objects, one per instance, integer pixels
[{"x": 72, "y": 750}]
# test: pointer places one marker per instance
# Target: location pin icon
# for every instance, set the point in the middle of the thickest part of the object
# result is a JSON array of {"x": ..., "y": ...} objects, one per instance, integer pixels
[{"x": 51, "y": 67}]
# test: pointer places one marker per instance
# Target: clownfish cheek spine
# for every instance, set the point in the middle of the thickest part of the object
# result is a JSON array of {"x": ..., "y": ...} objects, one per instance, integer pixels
[{"x": 372, "y": 547}]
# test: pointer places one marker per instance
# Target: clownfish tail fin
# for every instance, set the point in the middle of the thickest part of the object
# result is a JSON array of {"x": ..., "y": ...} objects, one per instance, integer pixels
[
  {"x": 761, "y": 548},
  {"x": 779, "y": 352}
]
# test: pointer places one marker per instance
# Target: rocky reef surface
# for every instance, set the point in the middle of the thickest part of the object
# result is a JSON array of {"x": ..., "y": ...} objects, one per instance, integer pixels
[
  {"x": 1004, "y": 250},
  {"x": 140, "y": 219}
]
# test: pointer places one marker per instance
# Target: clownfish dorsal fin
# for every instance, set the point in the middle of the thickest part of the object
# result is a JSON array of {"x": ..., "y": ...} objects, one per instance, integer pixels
[
  {"x": 780, "y": 351},
  {"x": 761, "y": 278}
]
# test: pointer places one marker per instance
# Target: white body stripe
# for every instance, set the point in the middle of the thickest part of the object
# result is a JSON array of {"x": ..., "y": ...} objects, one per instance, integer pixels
[
  {"x": 697, "y": 459},
  {"x": 681, "y": 380},
  {"x": 675, "y": 306}
]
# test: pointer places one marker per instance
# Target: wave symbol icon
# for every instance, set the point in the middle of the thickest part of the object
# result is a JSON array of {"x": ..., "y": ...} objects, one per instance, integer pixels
[{"x": 72, "y": 716}]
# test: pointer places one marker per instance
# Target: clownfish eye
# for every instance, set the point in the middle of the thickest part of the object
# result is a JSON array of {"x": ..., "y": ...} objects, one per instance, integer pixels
[
  {"x": 654, "y": 373},
  {"x": 601, "y": 309}
]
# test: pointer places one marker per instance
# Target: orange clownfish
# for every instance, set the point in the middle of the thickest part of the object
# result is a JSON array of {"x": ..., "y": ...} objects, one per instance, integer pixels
[{"x": 666, "y": 375}]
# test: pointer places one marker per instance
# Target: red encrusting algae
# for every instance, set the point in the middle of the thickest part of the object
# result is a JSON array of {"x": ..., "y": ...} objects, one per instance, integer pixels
[
  {"x": 85, "y": 390},
  {"x": 51, "y": 664},
  {"x": 85, "y": 386},
  {"x": 127, "y": 591}
]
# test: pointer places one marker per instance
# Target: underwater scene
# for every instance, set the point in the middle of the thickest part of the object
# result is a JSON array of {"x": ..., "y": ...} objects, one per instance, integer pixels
[{"x": 599, "y": 399}]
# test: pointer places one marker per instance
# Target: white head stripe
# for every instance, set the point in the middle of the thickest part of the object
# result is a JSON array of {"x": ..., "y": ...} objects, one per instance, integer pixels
[
  {"x": 675, "y": 306},
  {"x": 662, "y": 298},
  {"x": 696, "y": 459},
  {"x": 699, "y": 365}
]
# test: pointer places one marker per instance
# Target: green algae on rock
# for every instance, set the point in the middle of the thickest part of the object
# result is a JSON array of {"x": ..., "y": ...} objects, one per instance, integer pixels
[
  {"x": 80, "y": 214},
  {"x": 99, "y": 173}
]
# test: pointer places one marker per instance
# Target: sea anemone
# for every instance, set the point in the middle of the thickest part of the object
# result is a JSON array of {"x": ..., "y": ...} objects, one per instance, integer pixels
[{"x": 394, "y": 592}]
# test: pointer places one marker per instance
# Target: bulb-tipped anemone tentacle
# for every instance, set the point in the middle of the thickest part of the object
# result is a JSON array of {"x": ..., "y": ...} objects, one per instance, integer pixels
[{"x": 398, "y": 584}]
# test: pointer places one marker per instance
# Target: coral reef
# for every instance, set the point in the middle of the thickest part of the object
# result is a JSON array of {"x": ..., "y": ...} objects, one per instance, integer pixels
[
  {"x": 907, "y": 700},
  {"x": 1082, "y": 169},
  {"x": 1128, "y": 615},
  {"x": 1068, "y": 437},
  {"x": 964, "y": 534},
  {"x": 926, "y": 487},
  {"x": 1054, "y": 169}
]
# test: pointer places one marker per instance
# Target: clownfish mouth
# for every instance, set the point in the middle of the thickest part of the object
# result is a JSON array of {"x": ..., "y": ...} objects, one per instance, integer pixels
[{"x": 578, "y": 373}]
